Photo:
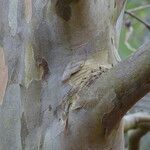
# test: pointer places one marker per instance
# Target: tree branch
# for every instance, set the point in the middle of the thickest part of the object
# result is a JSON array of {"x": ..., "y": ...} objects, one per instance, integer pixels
[
  {"x": 130, "y": 80},
  {"x": 137, "y": 125},
  {"x": 137, "y": 120},
  {"x": 144, "y": 23},
  {"x": 135, "y": 136},
  {"x": 118, "y": 89},
  {"x": 139, "y": 8}
]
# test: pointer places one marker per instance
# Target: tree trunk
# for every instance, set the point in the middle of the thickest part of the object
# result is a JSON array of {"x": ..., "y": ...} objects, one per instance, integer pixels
[{"x": 54, "y": 50}]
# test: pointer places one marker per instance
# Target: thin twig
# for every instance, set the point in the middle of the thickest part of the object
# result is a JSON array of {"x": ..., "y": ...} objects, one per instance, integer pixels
[
  {"x": 138, "y": 8},
  {"x": 144, "y": 23}
]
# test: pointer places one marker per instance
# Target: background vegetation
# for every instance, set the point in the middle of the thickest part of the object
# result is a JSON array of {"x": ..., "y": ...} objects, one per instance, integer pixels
[{"x": 138, "y": 33}]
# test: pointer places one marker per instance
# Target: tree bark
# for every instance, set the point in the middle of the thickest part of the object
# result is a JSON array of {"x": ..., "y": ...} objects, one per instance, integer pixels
[{"x": 61, "y": 88}]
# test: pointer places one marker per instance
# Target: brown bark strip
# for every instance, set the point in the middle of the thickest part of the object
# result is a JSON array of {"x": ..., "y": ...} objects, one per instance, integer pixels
[
  {"x": 41, "y": 62},
  {"x": 3, "y": 75},
  {"x": 63, "y": 9}
]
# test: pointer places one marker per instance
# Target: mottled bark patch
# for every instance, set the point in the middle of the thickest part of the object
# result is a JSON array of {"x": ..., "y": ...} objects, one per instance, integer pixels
[
  {"x": 12, "y": 16},
  {"x": 32, "y": 71},
  {"x": 14, "y": 75}
]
